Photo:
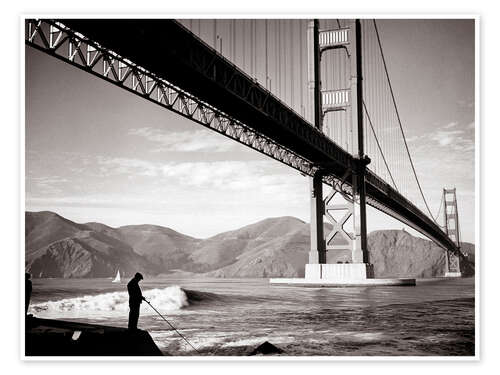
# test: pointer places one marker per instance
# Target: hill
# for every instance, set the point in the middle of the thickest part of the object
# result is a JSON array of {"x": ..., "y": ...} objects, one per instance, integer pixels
[
  {"x": 159, "y": 245},
  {"x": 274, "y": 247},
  {"x": 86, "y": 254},
  {"x": 238, "y": 253},
  {"x": 45, "y": 227}
]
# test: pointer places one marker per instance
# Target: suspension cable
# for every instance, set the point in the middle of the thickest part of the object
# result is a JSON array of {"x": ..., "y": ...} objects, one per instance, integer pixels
[
  {"x": 399, "y": 121},
  {"x": 378, "y": 145},
  {"x": 439, "y": 211},
  {"x": 458, "y": 234}
]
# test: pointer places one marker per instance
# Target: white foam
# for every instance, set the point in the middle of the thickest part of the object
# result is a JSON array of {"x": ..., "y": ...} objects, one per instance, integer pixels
[
  {"x": 164, "y": 338},
  {"x": 359, "y": 336},
  {"x": 111, "y": 304}
]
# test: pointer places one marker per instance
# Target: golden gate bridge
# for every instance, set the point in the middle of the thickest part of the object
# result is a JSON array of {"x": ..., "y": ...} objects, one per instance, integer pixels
[{"x": 315, "y": 95}]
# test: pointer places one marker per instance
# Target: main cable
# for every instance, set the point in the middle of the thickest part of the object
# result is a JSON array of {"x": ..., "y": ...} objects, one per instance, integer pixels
[
  {"x": 399, "y": 122},
  {"x": 439, "y": 211},
  {"x": 378, "y": 145}
]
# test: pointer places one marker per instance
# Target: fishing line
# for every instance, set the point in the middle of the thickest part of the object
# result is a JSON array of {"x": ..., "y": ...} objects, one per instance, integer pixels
[{"x": 180, "y": 334}]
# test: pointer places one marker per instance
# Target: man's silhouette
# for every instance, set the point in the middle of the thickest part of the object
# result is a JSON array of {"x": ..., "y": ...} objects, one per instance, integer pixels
[
  {"x": 134, "y": 301},
  {"x": 28, "y": 287}
]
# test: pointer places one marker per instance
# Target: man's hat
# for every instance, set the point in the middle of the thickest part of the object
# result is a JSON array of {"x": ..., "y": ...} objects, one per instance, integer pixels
[{"x": 138, "y": 276}]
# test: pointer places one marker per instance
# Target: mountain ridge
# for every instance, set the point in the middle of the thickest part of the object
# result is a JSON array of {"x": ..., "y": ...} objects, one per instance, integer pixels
[{"x": 273, "y": 247}]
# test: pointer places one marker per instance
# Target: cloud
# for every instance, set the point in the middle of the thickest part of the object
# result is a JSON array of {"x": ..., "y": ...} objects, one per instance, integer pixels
[
  {"x": 185, "y": 141},
  {"x": 445, "y": 137},
  {"x": 46, "y": 184},
  {"x": 230, "y": 175},
  {"x": 449, "y": 150},
  {"x": 414, "y": 138},
  {"x": 140, "y": 167},
  {"x": 225, "y": 174},
  {"x": 451, "y": 125},
  {"x": 454, "y": 137},
  {"x": 465, "y": 103},
  {"x": 223, "y": 188},
  {"x": 106, "y": 199}
]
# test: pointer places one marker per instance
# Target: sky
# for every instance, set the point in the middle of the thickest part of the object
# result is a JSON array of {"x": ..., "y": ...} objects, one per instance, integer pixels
[{"x": 95, "y": 152}]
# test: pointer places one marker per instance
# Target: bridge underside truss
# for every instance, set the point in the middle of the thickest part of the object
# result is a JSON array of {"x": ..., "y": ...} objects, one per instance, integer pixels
[
  {"x": 57, "y": 40},
  {"x": 245, "y": 112}
]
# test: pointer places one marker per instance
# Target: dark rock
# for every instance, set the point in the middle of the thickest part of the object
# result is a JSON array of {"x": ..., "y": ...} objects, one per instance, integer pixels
[
  {"x": 45, "y": 337},
  {"x": 266, "y": 348}
]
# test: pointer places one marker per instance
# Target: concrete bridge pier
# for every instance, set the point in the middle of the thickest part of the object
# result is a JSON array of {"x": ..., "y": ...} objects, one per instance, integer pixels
[
  {"x": 340, "y": 257},
  {"x": 452, "y": 265}
]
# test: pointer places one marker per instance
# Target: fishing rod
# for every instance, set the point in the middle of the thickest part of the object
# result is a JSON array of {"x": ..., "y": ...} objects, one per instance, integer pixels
[{"x": 180, "y": 334}]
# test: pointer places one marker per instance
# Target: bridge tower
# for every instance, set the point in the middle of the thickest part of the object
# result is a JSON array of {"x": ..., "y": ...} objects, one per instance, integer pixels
[
  {"x": 452, "y": 229},
  {"x": 343, "y": 253}
]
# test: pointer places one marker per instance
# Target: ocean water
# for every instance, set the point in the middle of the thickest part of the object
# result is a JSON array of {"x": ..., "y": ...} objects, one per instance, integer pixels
[{"x": 230, "y": 317}]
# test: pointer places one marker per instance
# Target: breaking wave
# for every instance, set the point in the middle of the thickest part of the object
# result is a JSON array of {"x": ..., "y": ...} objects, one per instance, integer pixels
[{"x": 107, "y": 304}]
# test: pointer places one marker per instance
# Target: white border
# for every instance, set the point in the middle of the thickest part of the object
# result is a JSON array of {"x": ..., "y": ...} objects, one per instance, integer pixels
[
  {"x": 477, "y": 190},
  {"x": 186, "y": 15}
]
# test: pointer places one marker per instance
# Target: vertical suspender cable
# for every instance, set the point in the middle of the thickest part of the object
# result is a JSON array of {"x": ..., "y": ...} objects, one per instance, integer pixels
[
  {"x": 373, "y": 87},
  {"x": 291, "y": 65},
  {"x": 243, "y": 39},
  {"x": 301, "y": 67},
  {"x": 251, "y": 47},
  {"x": 366, "y": 137},
  {"x": 267, "y": 62},
  {"x": 346, "y": 79},
  {"x": 378, "y": 144},
  {"x": 254, "y": 49},
  {"x": 285, "y": 62},
  {"x": 233, "y": 44},
  {"x": 399, "y": 121},
  {"x": 278, "y": 49},
  {"x": 215, "y": 34}
]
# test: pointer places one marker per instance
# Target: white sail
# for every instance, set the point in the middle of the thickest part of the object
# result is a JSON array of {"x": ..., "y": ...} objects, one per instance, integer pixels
[{"x": 117, "y": 277}]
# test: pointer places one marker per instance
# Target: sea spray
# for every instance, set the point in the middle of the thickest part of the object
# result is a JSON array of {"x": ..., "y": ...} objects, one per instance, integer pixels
[{"x": 109, "y": 304}]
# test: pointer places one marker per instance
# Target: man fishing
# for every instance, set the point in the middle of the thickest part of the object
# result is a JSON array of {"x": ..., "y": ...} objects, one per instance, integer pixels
[
  {"x": 134, "y": 301},
  {"x": 28, "y": 288}
]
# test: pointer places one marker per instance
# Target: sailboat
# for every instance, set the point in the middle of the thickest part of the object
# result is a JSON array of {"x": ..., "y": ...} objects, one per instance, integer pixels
[{"x": 117, "y": 277}]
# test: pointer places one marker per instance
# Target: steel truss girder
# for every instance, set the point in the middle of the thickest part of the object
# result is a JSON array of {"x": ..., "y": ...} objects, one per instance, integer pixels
[
  {"x": 294, "y": 132},
  {"x": 347, "y": 209},
  {"x": 173, "y": 53},
  {"x": 59, "y": 41}
]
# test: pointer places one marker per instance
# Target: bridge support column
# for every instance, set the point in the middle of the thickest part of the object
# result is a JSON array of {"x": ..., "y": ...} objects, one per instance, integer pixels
[
  {"x": 349, "y": 247},
  {"x": 347, "y": 261},
  {"x": 452, "y": 230},
  {"x": 357, "y": 249},
  {"x": 317, "y": 254},
  {"x": 360, "y": 246}
]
